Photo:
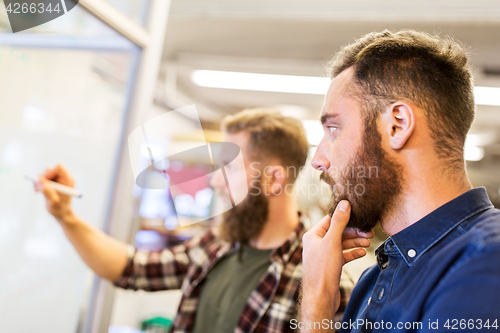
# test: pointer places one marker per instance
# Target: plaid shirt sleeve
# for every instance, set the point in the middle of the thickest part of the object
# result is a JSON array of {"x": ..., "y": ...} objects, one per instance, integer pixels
[{"x": 157, "y": 270}]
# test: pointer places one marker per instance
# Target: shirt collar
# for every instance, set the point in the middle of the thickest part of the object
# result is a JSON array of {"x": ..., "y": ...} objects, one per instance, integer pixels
[
  {"x": 416, "y": 239},
  {"x": 285, "y": 252}
]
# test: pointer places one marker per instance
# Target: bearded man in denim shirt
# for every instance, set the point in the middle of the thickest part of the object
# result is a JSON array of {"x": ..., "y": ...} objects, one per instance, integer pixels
[{"x": 397, "y": 112}]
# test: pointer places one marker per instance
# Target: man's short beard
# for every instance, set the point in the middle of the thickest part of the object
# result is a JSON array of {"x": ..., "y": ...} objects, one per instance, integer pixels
[
  {"x": 379, "y": 191},
  {"x": 246, "y": 220}
]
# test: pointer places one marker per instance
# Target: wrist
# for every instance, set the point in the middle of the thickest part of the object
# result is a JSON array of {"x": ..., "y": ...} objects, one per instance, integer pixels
[
  {"x": 68, "y": 218},
  {"x": 318, "y": 310},
  {"x": 318, "y": 288},
  {"x": 319, "y": 301}
]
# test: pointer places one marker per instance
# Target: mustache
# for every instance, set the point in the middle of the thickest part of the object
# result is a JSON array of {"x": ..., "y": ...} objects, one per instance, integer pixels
[{"x": 327, "y": 179}]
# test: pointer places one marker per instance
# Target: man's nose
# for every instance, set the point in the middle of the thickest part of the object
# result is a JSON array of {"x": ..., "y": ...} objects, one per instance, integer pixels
[
  {"x": 320, "y": 159},
  {"x": 217, "y": 180}
]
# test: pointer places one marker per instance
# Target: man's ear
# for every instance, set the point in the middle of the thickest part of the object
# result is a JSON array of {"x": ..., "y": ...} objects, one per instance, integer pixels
[
  {"x": 400, "y": 123},
  {"x": 273, "y": 180}
]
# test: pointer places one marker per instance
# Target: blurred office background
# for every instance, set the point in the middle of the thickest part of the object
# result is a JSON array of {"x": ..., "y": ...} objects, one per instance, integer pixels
[{"x": 74, "y": 88}]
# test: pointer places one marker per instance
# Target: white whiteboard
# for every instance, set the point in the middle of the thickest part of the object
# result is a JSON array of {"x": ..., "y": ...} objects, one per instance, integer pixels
[{"x": 52, "y": 111}]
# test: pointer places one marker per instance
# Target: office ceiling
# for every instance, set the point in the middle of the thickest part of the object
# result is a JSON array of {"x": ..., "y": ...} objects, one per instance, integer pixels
[{"x": 298, "y": 37}]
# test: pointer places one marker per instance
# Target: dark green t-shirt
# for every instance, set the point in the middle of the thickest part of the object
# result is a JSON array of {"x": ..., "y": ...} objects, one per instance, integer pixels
[{"x": 227, "y": 288}]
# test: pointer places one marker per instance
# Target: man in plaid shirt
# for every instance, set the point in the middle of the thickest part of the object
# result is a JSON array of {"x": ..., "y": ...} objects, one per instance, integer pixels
[{"x": 242, "y": 277}]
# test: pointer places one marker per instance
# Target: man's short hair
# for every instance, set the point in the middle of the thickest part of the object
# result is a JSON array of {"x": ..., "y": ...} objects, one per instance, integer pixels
[
  {"x": 272, "y": 135},
  {"x": 431, "y": 72}
]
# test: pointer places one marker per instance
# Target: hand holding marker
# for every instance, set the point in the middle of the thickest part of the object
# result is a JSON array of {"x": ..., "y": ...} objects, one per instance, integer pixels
[{"x": 63, "y": 189}]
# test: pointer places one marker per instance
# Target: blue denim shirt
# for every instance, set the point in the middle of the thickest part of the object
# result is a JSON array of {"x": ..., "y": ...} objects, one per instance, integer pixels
[{"x": 441, "y": 274}]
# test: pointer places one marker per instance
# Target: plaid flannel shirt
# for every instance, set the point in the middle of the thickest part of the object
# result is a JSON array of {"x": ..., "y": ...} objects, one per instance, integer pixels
[{"x": 270, "y": 307}]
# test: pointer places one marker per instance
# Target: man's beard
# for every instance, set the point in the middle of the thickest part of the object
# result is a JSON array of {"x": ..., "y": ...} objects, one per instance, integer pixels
[
  {"x": 370, "y": 196},
  {"x": 246, "y": 220}
]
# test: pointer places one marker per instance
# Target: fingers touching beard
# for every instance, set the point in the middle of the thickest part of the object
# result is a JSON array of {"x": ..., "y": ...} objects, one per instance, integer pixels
[{"x": 247, "y": 219}]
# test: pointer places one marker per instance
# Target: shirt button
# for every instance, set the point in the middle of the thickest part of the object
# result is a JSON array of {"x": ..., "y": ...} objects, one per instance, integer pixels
[
  {"x": 412, "y": 253},
  {"x": 381, "y": 294}
]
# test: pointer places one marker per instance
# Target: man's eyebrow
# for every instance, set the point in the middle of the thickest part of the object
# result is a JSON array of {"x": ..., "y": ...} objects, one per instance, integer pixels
[{"x": 324, "y": 118}]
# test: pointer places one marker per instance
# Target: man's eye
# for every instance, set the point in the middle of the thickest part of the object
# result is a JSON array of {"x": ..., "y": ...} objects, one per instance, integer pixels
[{"x": 331, "y": 129}]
